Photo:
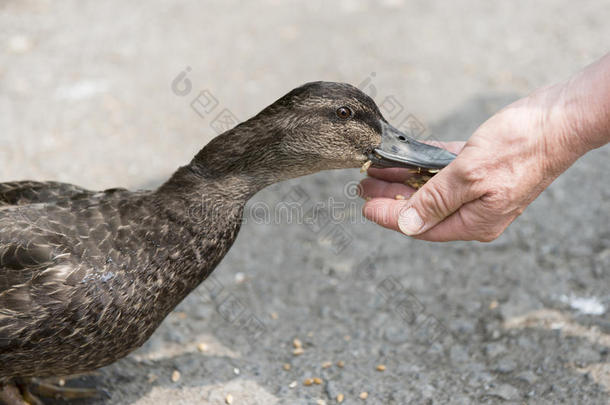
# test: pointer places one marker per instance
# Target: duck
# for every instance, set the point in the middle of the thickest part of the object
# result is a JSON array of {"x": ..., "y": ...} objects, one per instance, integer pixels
[{"x": 87, "y": 276}]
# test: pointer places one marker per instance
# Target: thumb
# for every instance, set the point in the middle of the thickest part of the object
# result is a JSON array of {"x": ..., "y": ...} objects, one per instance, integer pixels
[{"x": 441, "y": 196}]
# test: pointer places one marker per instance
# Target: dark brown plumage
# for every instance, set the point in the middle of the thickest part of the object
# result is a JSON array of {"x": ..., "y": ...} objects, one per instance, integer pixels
[{"x": 86, "y": 277}]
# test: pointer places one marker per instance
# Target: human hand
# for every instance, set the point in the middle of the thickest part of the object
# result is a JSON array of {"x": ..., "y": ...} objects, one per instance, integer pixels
[{"x": 503, "y": 167}]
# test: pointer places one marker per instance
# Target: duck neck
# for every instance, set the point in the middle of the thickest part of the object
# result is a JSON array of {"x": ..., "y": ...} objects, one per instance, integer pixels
[{"x": 228, "y": 171}]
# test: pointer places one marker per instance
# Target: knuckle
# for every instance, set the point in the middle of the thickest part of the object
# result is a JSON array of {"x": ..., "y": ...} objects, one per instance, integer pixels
[
  {"x": 434, "y": 201},
  {"x": 482, "y": 228},
  {"x": 489, "y": 235},
  {"x": 499, "y": 200},
  {"x": 472, "y": 172}
]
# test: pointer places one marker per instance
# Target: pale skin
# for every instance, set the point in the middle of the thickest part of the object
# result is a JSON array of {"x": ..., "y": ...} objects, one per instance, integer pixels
[{"x": 508, "y": 161}]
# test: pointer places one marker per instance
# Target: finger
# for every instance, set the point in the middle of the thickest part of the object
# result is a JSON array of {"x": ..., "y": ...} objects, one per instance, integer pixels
[
  {"x": 393, "y": 174},
  {"x": 440, "y": 197},
  {"x": 384, "y": 211},
  {"x": 374, "y": 188},
  {"x": 457, "y": 226},
  {"x": 467, "y": 224}
]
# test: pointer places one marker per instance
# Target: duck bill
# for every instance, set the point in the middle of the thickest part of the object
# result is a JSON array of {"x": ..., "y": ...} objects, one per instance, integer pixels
[{"x": 399, "y": 150}]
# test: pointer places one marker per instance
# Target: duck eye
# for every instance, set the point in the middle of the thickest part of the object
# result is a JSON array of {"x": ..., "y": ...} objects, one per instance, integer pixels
[{"x": 344, "y": 113}]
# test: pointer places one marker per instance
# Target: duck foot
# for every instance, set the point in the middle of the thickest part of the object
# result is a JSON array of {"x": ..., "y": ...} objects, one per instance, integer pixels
[
  {"x": 18, "y": 393},
  {"x": 30, "y": 398},
  {"x": 52, "y": 391},
  {"x": 11, "y": 394}
]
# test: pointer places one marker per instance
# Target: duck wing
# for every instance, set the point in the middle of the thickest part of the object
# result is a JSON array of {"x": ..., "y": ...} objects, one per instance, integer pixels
[
  {"x": 60, "y": 273},
  {"x": 31, "y": 259},
  {"x": 31, "y": 192}
]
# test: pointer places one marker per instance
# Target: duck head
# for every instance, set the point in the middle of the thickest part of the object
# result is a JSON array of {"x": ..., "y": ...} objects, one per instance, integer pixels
[{"x": 318, "y": 126}]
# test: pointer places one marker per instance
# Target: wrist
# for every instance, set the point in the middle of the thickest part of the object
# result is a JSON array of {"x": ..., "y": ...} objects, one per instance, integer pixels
[
  {"x": 557, "y": 130},
  {"x": 577, "y": 116},
  {"x": 585, "y": 103}
]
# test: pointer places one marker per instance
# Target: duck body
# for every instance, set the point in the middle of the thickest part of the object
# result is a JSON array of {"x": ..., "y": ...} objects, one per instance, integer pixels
[{"x": 86, "y": 277}]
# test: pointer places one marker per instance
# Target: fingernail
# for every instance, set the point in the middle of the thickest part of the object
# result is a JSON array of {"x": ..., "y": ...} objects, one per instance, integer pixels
[{"x": 409, "y": 222}]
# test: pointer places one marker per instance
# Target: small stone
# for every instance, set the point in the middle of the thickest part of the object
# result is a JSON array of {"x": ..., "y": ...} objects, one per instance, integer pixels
[
  {"x": 61, "y": 382},
  {"x": 307, "y": 382},
  {"x": 174, "y": 335},
  {"x": 340, "y": 364},
  {"x": 528, "y": 377},
  {"x": 340, "y": 398},
  {"x": 292, "y": 384},
  {"x": 506, "y": 392},
  {"x": 494, "y": 349},
  {"x": 493, "y": 304},
  {"x": 326, "y": 364},
  {"x": 479, "y": 378},
  {"x": 236, "y": 371},
  {"x": 505, "y": 366},
  {"x": 202, "y": 347},
  {"x": 459, "y": 354},
  {"x": 286, "y": 366},
  {"x": 297, "y": 343},
  {"x": 298, "y": 351},
  {"x": 320, "y": 402},
  {"x": 332, "y": 390},
  {"x": 317, "y": 380},
  {"x": 462, "y": 326},
  {"x": 239, "y": 277},
  {"x": 274, "y": 315},
  {"x": 363, "y": 395},
  {"x": 396, "y": 334},
  {"x": 229, "y": 399},
  {"x": 347, "y": 338},
  {"x": 380, "y": 367},
  {"x": 175, "y": 375},
  {"x": 181, "y": 315}
]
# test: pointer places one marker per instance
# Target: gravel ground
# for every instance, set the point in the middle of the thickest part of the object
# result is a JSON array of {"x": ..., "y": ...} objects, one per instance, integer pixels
[{"x": 86, "y": 98}]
